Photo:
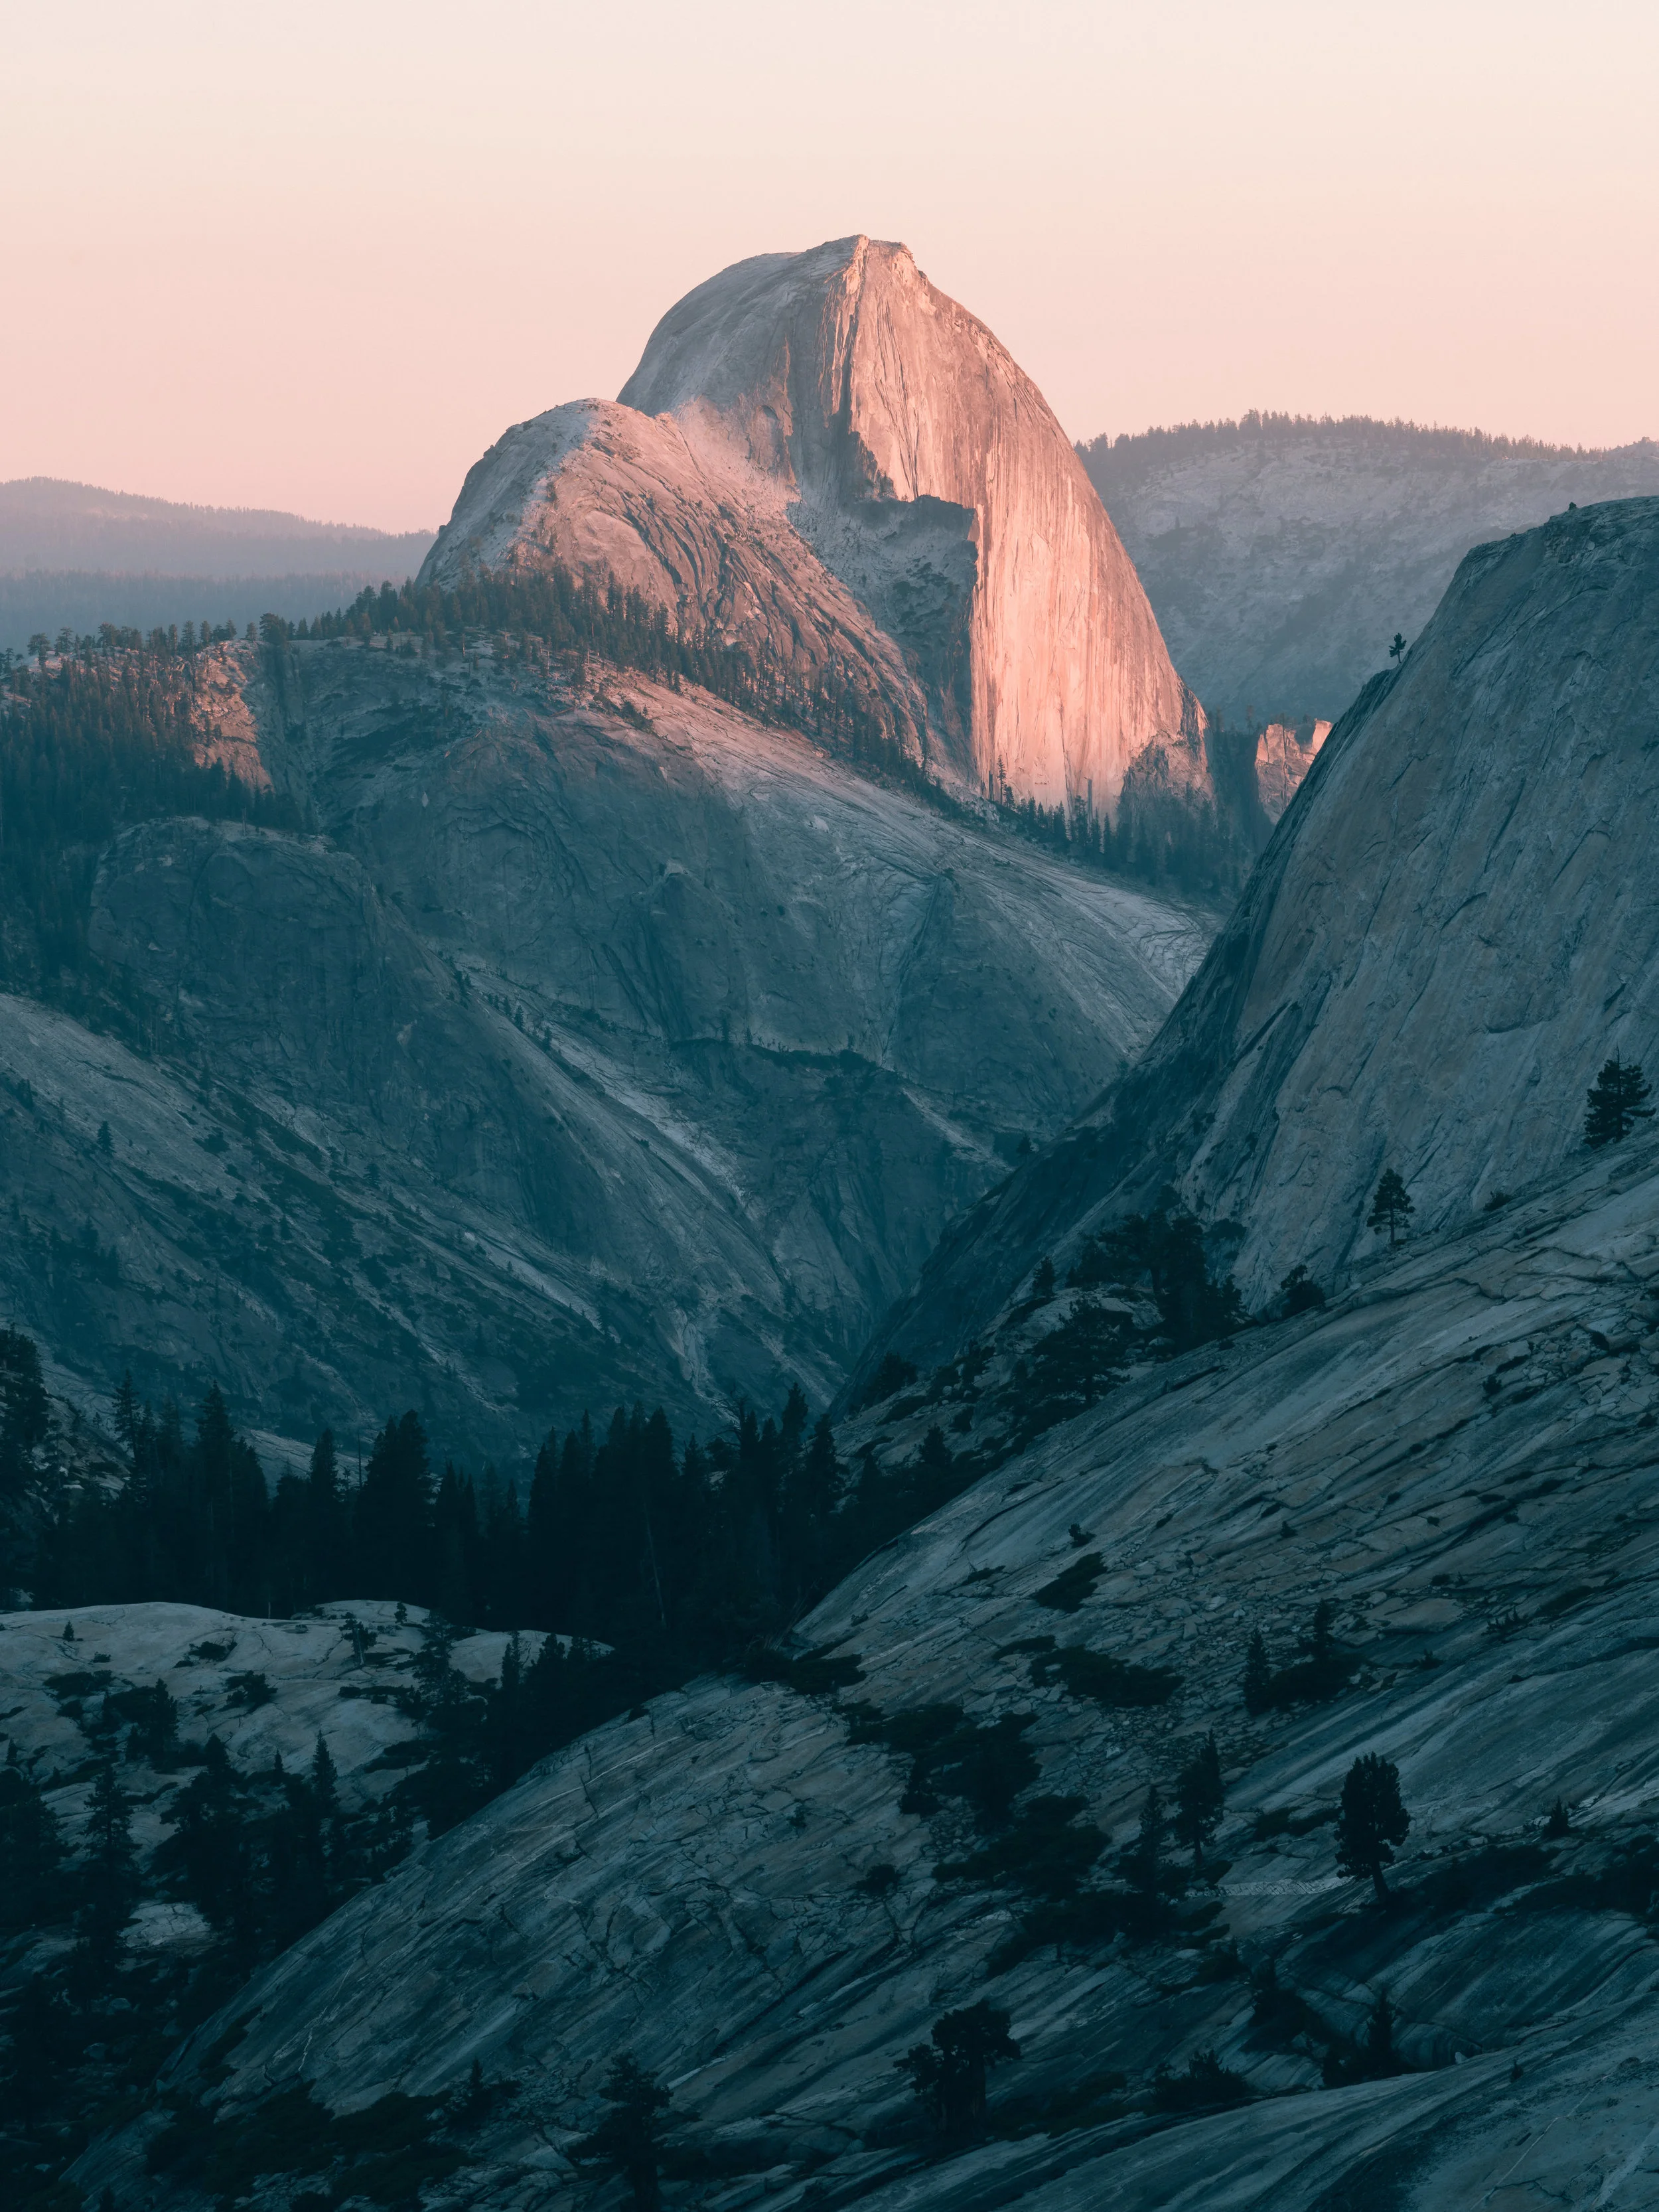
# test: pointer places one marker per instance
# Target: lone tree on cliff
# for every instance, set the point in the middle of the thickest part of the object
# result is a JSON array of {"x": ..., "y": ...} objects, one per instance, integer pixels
[
  {"x": 1373, "y": 1820},
  {"x": 1615, "y": 1102},
  {"x": 1397, "y": 650},
  {"x": 1390, "y": 1206}
]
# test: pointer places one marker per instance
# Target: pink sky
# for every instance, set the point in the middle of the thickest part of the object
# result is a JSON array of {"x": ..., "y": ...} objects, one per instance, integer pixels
[{"x": 317, "y": 257}]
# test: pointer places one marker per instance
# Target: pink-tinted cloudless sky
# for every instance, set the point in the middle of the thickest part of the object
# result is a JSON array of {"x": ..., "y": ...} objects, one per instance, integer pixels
[{"x": 318, "y": 257}]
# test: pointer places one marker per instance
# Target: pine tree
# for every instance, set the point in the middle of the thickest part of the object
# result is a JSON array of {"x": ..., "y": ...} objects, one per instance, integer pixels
[
  {"x": 630, "y": 2138},
  {"x": 1616, "y": 1102},
  {"x": 394, "y": 1513},
  {"x": 1258, "y": 1675},
  {"x": 1381, "y": 2058},
  {"x": 1198, "y": 1799},
  {"x": 323, "y": 1779},
  {"x": 1148, "y": 1855},
  {"x": 1373, "y": 1819},
  {"x": 126, "y": 1412},
  {"x": 1390, "y": 1206},
  {"x": 111, "y": 1881},
  {"x": 30, "y": 1847}
]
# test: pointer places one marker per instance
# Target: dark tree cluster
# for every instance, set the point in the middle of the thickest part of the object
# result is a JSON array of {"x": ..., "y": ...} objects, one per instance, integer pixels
[
  {"x": 678, "y": 1557},
  {"x": 1323, "y": 1671},
  {"x": 1163, "y": 1250}
]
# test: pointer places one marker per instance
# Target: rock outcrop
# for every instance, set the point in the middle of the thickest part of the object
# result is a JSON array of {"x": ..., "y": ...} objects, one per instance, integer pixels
[
  {"x": 1454, "y": 926},
  {"x": 1280, "y": 556},
  {"x": 1284, "y": 753},
  {"x": 822, "y": 457}
]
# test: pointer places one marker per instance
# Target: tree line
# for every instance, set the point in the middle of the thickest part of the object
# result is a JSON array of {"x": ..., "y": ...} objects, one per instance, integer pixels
[{"x": 680, "y": 1557}]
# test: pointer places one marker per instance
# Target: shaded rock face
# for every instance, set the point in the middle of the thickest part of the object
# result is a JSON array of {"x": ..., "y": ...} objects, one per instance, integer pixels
[
  {"x": 1281, "y": 556},
  {"x": 1457, "y": 1458},
  {"x": 573, "y": 1055},
  {"x": 1454, "y": 926},
  {"x": 821, "y": 454}
]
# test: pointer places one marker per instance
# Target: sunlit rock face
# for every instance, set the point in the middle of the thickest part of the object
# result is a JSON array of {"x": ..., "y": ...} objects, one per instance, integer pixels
[
  {"x": 1284, "y": 753},
  {"x": 1454, "y": 926},
  {"x": 821, "y": 454}
]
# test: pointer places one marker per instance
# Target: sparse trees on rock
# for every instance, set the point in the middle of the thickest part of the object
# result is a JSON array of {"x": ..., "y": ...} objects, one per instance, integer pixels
[
  {"x": 1391, "y": 1206},
  {"x": 1373, "y": 1819},
  {"x": 1616, "y": 1101}
]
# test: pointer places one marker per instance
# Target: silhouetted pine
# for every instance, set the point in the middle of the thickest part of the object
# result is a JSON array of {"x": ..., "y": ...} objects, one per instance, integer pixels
[
  {"x": 1616, "y": 1101},
  {"x": 948, "y": 2072},
  {"x": 630, "y": 2138},
  {"x": 1200, "y": 1798},
  {"x": 1372, "y": 1820},
  {"x": 1391, "y": 1206}
]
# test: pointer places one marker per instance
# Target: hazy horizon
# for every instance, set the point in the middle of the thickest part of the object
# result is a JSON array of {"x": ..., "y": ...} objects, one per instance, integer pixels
[{"x": 321, "y": 272}]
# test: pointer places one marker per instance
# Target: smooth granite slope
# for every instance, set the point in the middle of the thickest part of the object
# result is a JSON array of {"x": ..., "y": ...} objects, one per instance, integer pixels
[{"x": 1459, "y": 1458}]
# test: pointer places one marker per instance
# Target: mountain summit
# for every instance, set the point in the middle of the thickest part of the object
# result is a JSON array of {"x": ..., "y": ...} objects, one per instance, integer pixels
[{"x": 824, "y": 460}]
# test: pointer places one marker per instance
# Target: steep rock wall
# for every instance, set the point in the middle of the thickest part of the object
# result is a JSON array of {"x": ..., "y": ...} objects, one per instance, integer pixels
[
  {"x": 822, "y": 459},
  {"x": 896, "y": 418}
]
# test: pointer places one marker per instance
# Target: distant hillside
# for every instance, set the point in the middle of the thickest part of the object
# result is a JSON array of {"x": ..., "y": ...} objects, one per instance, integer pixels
[
  {"x": 74, "y": 554},
  {"x": 1281, "y": 553}
]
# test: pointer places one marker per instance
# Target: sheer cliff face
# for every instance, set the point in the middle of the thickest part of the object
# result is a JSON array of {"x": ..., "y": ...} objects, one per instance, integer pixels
[
  {"x": 821, "y": 454},
  {"x": 845, "y": 373},
  {"x": 1455, "y": 925}
]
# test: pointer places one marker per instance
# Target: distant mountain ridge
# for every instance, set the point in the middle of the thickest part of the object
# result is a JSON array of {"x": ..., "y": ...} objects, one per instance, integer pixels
[
  {"x": 1281, "y": 553},
  {"x": 47, "y": 522},
  {"x": 74, "y": 555}
]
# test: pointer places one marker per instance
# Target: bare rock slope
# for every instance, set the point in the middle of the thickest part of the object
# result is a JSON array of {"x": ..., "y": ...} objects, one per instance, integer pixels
[
  {"x": 584, "y": 1045},
  {"x": 740, "y": 1888},
  {"x": 1281, "y": 556},
  {"x": 823, "y": 459},
  {"x": 1454, "y": 926}
]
